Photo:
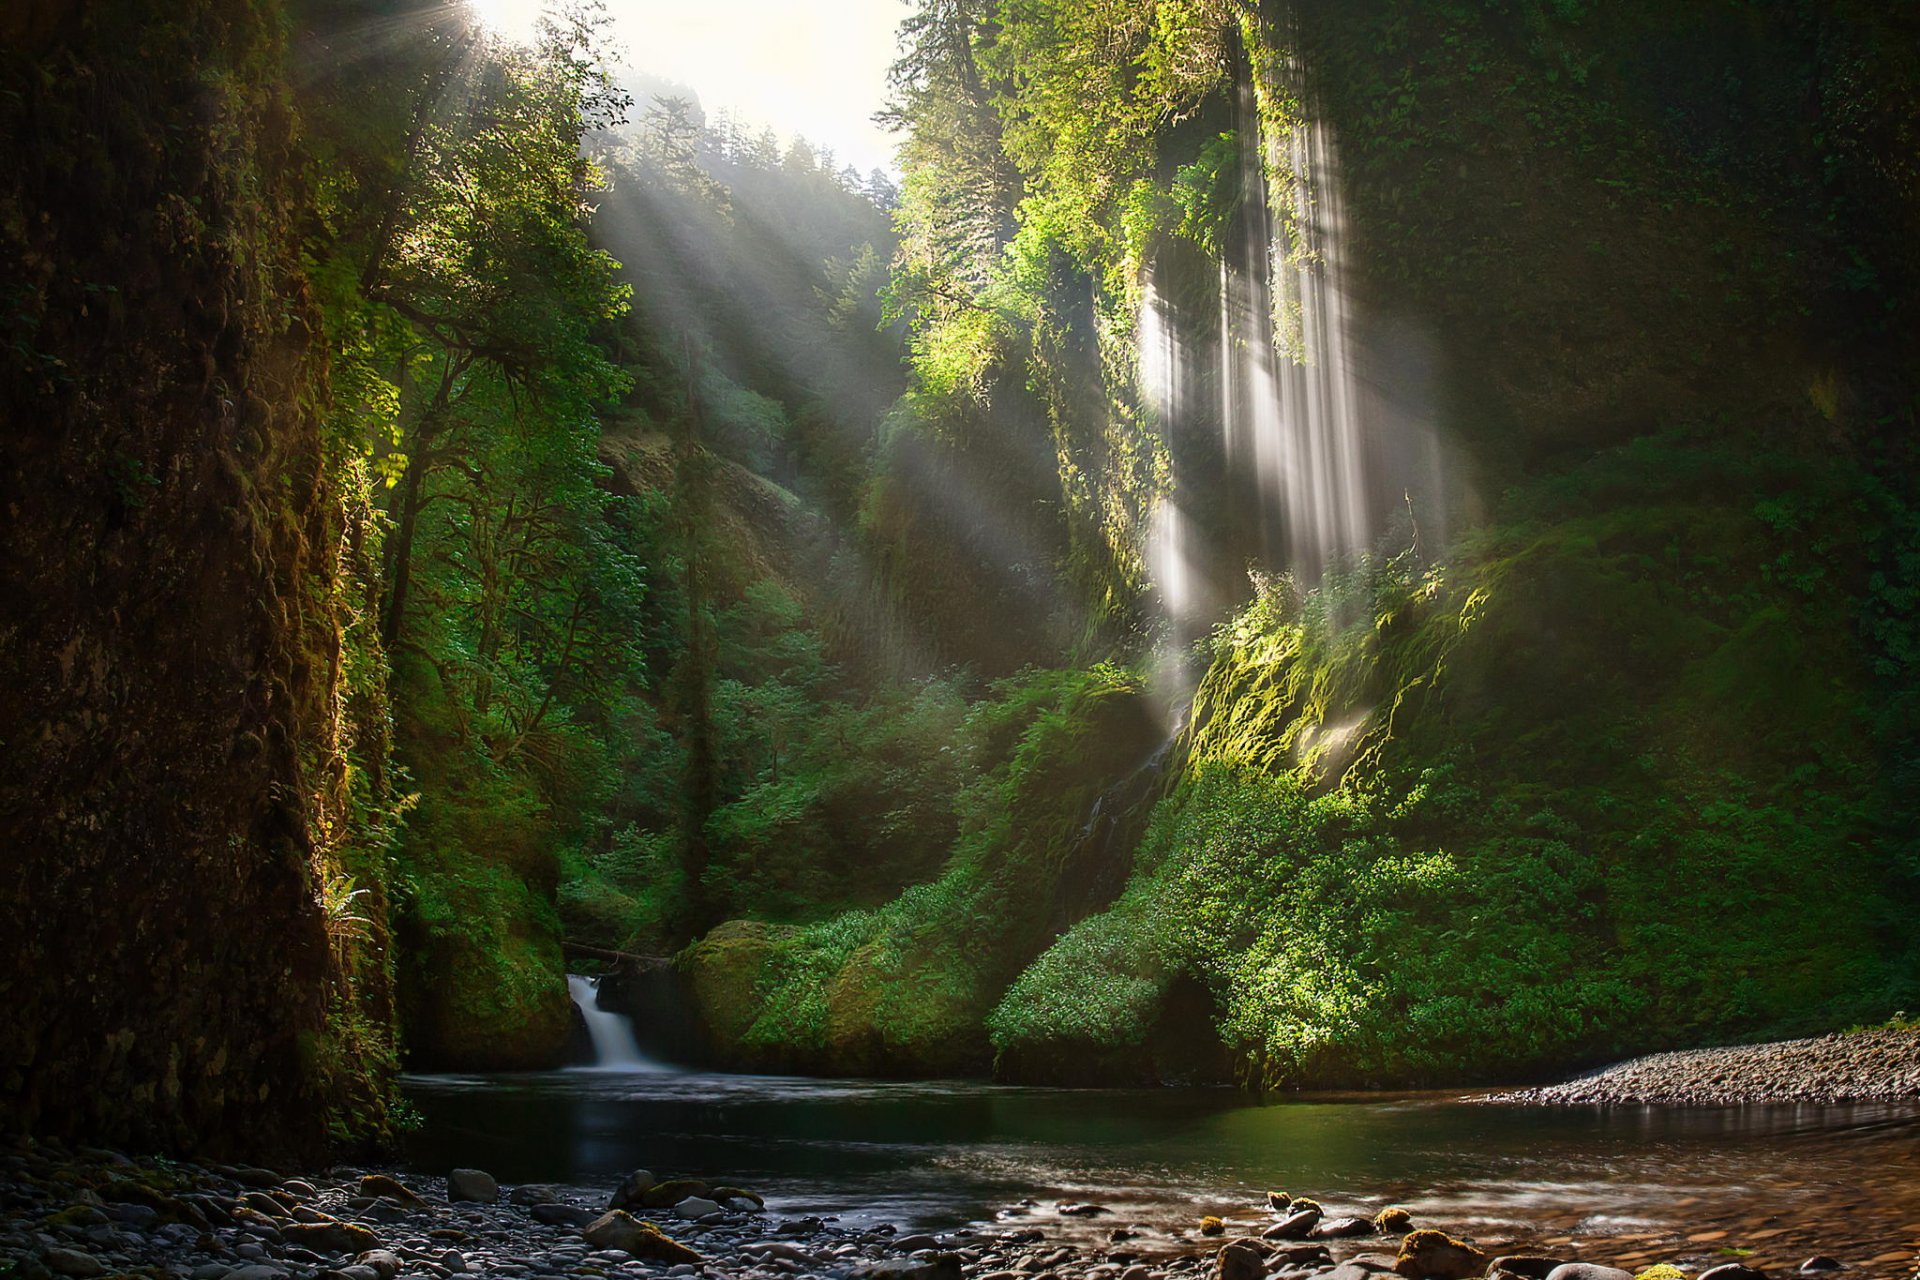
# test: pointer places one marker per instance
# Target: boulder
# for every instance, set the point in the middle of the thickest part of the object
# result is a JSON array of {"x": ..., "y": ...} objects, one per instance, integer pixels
[
  {"x": 472, "y": 1185},
  {"x": 632, "y": 1187},
  {"x": 1435, "y": 1255},
  {"x": 532, "y": 1194},
  {"x": 561, "y": 1215},
  {"x": 1279, "y": 1201},
  {"x": 1342, "y": 1229},
  {"x": 1212, "y": 1226},
  {"x": 618, "y": 1229},
  {"x": 694, "y": 1208},
  {"x": 1302, "y": 1255},
  {"x": 331, "y": 1237},
  {"x": 938, "y": 1266},
  {"x": 665, "y": 1195},
  {"x": 382, "y": 1263},
  {"x": 1241, "y": 1260},
  {"x": 1294, "y": 1226},
  {"x": 1733, "y": 1271},
  {"x": 1527, "y": 1266},
  {"x": 1587, "y": 1271},
  {"x": 379, "y": 1184},
  {"x": 1394, "y": 1220},
  {"x": 724, "y": 1194},
  {"x": 72, "y": 1262}
]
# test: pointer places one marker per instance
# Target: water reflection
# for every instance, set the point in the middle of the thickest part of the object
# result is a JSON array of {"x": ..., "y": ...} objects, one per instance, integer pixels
[{"x": 944, "y": 1153}]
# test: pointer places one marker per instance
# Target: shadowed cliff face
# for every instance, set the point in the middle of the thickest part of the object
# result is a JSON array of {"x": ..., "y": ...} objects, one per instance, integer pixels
[{"x": 170, "y": 735}]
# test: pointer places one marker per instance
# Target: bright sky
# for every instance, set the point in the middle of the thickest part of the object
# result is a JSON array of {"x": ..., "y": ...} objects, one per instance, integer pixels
[{"x": 816, "y": 68}]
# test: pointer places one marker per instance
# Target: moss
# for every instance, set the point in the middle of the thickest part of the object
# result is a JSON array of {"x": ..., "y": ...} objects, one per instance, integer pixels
[{"x": 906, "y": 988}]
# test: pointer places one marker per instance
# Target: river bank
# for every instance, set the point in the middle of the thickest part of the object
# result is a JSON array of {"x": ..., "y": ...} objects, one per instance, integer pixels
[
  {"x": 1881, "y": 1065},
  {"x": 90, "y": 1213}
]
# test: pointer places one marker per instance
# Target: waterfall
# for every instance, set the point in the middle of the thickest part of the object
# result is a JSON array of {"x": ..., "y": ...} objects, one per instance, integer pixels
[
  {"x": 1287, "y": 354},
  {"x": 614, "y": 1048},
  {"x": 1289, "y": 463}
]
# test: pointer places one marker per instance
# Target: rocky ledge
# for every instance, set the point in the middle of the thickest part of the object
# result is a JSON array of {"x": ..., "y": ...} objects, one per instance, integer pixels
[
  {"x": 1863, "y": 1066},
  {"x": 87, "y": 1213}
]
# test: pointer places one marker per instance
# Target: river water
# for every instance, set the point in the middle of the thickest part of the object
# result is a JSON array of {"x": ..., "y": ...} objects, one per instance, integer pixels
[{"x": 1627, "y": 1185}]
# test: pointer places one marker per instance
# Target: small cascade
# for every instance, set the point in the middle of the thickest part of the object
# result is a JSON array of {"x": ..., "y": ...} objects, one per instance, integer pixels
[
  {"x": 614, "y": 1047},
  {"x": 1288, "y": 373},
  {"x": 1103, "y": 854},
  {"x": 1255, "y": 375}
]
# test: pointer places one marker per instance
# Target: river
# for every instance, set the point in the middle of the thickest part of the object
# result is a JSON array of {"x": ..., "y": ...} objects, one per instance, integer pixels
[{"x": 1630, "y": 1185}]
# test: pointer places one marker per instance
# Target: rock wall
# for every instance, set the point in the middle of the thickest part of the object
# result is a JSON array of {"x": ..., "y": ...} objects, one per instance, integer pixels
[{"x": 174, "y": 730}]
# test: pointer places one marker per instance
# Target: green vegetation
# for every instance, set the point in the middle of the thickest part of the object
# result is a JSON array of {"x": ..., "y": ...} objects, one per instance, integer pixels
[{"x": 589, "y": 522}]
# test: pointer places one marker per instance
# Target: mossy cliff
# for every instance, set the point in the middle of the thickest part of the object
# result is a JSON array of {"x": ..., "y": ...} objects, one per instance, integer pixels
[
  {"x": 192, "y": 756},
  {"x": 1606, "y": 741}
]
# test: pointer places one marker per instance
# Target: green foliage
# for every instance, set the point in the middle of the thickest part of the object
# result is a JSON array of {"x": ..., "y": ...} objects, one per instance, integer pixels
[
  {"x": 1414, "y": 843},
  {"x": 905, "y": 986}
]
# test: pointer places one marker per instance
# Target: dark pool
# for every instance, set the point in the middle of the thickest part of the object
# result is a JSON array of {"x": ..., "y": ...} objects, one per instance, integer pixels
[{"x": 938, "y": 1154}]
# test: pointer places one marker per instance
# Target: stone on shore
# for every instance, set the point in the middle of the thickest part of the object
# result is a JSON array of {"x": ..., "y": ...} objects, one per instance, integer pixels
[
  {"x": 331, "y": 1237},
  {"x": 618, "y": 1229},
  {"x": 379, "y": 1184},
  {"x": 72, "y": 1262},
  {"x": 939, "y": 1266},
  {"x": 1525, "y": 1265},
  {"x": 1435, "y": 1255},
  {"x": 665, "y": 1195},
  {"x": 475, "y": 1186},
  {"x": 1733, "y": 1271},
  {"x": 531, "y": 1194},
  {"x": 694, "y": 1208},
  {"x": 632, "y": 1187},
  {"x": 1342, "y": 1229},
  {"x": 1241, "y": 1260},
  {"x": 1587, "y": 1271}
]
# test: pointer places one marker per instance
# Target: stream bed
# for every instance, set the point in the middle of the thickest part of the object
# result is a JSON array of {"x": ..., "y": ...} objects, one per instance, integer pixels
[{"x": 1769, "y": 1185}]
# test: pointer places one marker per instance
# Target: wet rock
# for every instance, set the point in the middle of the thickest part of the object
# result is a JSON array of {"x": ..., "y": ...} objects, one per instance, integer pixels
[
  {"x": 532, "y": 1194},
  {"x": 473, "y": 1186},
  {"x": 381, "y": 1262},
  {"x": 555, "y": 1214},
  {"x": 260, "y": 1178},
  {"x": 1394, "y": 1220},
  {"x": 1083, "y": 1210},
  {"x": 331, "y": 1237},
  {"x": 258, "y": 1271},
  {"x": 632, "y": 1187},
  {"x": 1279, "y": 1201},
  {"x": 379, "y": 1184},
  {"x": 1294, "y": 1226},
  {"x": 1212, "y": 1226},
  {"x": 694, "y": 1208},
  {"x": 1435, "y": 1255},
  {"x": 939, "y": 1266},
  {"x": 72, "y": 1262},
  {"x": 1821, "y": 1262},
  {"x": 1587, "y": 1271},
  {"x": 1241, "y": 1260},
  {"x": 1525, "y": 1265},
  {"x": 618, "y": 1229},
  {"x": 665, "y": 1195},
  {"x": 724, "y": 1194},
  {"x": 1733, "y": 1271},
  {"x": 1304, "y": 1255},
  {"x": 908, "y": 1244},
  {"x": 1342, "y": 1229}
]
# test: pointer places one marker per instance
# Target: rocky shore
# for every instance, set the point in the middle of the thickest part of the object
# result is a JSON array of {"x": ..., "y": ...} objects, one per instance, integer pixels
[
  {"x": 89, "y": 1213},
  {"x": 1864, "y": 1066}
]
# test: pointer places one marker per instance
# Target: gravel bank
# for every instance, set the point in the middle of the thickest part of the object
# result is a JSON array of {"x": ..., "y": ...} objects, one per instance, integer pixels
[
  {"x": 1866, "y": 1066},
  {"x": 88, "y": 1213}
]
